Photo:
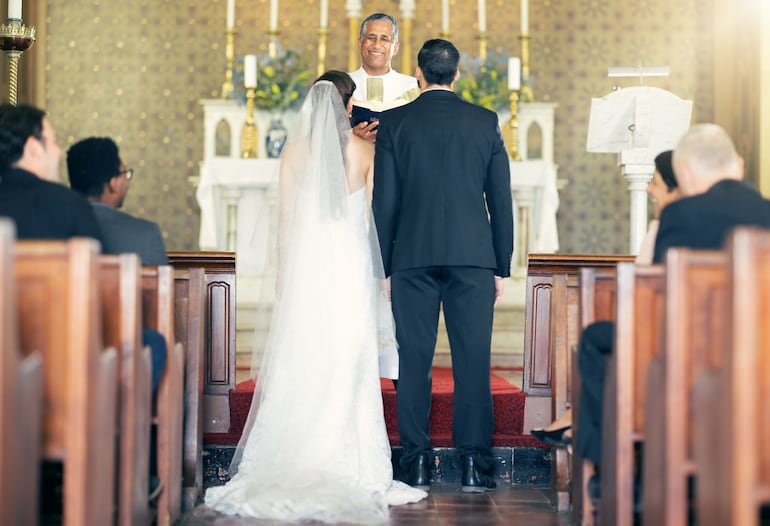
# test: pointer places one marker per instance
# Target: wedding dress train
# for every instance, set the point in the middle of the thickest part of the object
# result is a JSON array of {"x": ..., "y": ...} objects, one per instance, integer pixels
[{"x": 317, "y": 447}]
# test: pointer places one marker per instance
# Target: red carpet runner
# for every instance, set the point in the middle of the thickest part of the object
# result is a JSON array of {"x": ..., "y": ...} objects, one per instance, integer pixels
[{"x": 507, "y": 399}]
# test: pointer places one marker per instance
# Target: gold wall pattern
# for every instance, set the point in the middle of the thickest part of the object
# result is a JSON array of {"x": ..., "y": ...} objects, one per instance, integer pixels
[{"x": 136, "y": 70}]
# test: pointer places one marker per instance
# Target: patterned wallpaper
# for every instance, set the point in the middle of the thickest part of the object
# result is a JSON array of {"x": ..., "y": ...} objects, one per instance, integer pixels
[{"x": 135, "y": 70}]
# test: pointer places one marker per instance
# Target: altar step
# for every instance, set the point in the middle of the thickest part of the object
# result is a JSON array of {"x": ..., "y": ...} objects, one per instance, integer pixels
[{"x": 507, "y": 335}]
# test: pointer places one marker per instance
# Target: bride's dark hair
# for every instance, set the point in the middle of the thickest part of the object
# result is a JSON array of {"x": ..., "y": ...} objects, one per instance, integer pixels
[{"x": 342, "y": 82}]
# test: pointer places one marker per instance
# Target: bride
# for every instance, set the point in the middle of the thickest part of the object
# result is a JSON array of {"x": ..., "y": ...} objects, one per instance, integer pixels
[{"x": 315, "y": 445}]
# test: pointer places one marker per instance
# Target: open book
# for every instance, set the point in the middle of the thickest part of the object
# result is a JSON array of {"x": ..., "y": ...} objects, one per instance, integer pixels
[{"x": 369, "y": 110}]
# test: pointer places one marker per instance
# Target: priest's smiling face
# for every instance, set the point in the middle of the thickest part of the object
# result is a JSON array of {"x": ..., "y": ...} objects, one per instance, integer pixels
[{"x": 377, "y": 47}]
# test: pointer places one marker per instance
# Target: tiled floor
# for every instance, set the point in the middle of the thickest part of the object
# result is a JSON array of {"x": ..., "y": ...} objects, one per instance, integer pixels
[{"x": 445, "y": 505}]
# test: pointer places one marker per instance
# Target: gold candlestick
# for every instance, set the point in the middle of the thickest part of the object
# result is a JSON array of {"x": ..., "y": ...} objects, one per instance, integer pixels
[
  {"x": 406, "y": 46},
  {"x": 323, "y": 33},
  {"x": 249, "y": 130},
  {"x": 15, "y": 39},
  {"x": 483, "y": 47},
  {"x": 514, "y": 125},
  {"x": 272, "y": 45},
  {"x": 227, "y": 85},
  {"x": 354, "y": 58},
  {"x": 444, "y": 35},
  {"x": 527, "y": 94}
]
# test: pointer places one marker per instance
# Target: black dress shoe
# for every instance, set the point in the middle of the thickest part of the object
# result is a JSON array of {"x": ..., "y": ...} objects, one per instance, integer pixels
[
  {"x": 419, "y": 472},
  {"x": 553, "y": 438},
  {"x": 473, "y": 481}
]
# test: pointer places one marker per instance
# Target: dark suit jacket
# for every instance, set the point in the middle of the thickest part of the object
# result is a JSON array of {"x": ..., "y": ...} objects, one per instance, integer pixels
[
  {"x": 705, "y": 220},
  {"x": 125, "y": 233},
  {"x": 45, "y": 210},
  {"x": 442, "y": 190}
]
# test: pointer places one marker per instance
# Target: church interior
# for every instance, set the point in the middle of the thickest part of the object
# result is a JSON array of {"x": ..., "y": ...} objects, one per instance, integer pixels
[{"x": 163, "y": 78}]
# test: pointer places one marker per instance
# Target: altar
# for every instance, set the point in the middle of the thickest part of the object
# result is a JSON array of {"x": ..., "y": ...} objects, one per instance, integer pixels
[{"x": 238, "y": 198}]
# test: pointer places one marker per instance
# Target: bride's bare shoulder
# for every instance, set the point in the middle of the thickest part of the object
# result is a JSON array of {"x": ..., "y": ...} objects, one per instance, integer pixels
[{"x": 360, "y": 148}]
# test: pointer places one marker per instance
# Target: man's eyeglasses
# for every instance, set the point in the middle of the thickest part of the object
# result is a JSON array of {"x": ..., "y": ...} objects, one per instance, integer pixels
[{"x": 129, "y": 173}]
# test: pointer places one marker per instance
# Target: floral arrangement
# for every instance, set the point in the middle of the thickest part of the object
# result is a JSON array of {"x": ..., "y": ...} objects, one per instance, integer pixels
[
  {"x": 484, "y": 83},
  {"x": 282, "y": 82}
]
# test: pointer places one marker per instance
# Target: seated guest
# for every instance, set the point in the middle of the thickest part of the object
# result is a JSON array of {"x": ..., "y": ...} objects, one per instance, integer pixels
[
  {"x": 30, "y": 193},
  {"x": 714, "y": 201},
  {"x": 97, "y": 172},
  {"x": 663, "y": 189}
]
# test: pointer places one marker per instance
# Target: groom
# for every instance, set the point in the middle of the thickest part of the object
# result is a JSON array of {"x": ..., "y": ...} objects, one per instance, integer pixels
[{"x": 442, "y": 205}]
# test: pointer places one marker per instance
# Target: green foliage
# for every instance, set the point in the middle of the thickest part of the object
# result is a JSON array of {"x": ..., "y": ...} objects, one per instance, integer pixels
[
  {"x": 484, "y": 83},
  {"x": 282, "y": 82}
]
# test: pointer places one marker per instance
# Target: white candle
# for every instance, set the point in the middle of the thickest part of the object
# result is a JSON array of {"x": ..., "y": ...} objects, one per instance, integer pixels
[
  {"x": 407, "y": 8},
  {"x": 353, "y": 8},
  {"x": 445, "y": 16},
  {"x": 230, "y": 14},
  {"x": 482, "y": 16},
  {"x": 324, "y": 14},
  {"x": 273, "y": 15},
  {"x": 514, "y": 73},
  {"x": 524, "y": 17},
  {"x": 250, "y": 71},
  {"x": 14, "y": 9}
]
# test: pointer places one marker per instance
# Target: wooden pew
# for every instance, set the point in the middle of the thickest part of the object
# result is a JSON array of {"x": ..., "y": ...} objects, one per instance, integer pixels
[
  {"x": 218, "y": 333},
  {"x": 731, "y": 393},
  {"x": 694, "y": 313},
  {"x": 58, "y": 309},
  {"x": 21, "y": 403},
  {"x": 120, "y": 294},
  {"x": 552, "y": 328},
  {"x": 597, "y": 292},
  {"x": 638, "y": 333},
  {"x": 158, "y": 314},
  {"x": 189, "y": 287}
]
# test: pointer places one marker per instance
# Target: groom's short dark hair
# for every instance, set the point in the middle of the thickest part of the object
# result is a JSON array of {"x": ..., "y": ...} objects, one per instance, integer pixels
[{"x": 438, "y": 59}]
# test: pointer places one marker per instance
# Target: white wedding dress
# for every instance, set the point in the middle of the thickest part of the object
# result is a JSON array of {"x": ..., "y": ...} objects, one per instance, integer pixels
[{"x": 315, "y": 445}]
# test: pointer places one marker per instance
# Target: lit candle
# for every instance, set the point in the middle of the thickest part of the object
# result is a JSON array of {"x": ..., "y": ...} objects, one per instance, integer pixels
[
  {"x": 524, "y": 17},
  {"x": 273, "y": 15},
  {"x": 445, "y": 16},
  {"x": 514, "y": 73},
  {"x": 324, "y": 14},
  {"x": 230, "y": 14},
  {"x": 14, "y": 9},
  {"x": 250, "y": 71},
  {"x": 482, "y": 16}
]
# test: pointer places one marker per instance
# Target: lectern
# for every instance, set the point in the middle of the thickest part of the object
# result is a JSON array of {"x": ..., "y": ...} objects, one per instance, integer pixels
[{"x": 637, "y": 123}]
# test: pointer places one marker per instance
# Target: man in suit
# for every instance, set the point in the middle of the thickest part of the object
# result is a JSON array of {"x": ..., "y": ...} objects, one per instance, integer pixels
[
  {"x": 378, "y": 44},
  {"x": 442, "y": 205},
  {"x": 30, "y": 192},
  {"x": 715, "y": 200},
  {"x": 97, "y": 172}
]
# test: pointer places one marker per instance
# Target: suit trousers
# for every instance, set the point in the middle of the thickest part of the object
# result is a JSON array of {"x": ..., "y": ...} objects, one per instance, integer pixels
[
  {"x": 597, "y": 342},
  {"x": 467, "y": 297}
]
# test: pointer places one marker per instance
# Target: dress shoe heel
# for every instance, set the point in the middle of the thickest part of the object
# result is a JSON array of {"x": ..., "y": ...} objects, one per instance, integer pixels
[
  {"x": 553, "y": 438},
  {"x": 473, "y": 481},
  {"x": 419, "y": 472}
]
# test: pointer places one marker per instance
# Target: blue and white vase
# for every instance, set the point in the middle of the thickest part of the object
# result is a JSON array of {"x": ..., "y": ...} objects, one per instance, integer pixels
[{"x": 275, "y": 138}]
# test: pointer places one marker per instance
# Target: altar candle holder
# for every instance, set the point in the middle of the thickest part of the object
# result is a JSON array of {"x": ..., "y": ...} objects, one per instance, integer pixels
[
  {"x": 483, "y": 47},
  {"x": 323, "y": 33},
  {"x": 514, "y": 124},
  {"x": 227, "y": 85},
  {"x": 272, "y": 45},
  {"x": 526, "y": 95},
  {"x": 15, "y": 39},
  {"x": 249, "y": 130}
]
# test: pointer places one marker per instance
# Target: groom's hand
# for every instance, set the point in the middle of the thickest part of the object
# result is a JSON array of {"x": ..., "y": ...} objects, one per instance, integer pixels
[{"x": 499, "y": 288}]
